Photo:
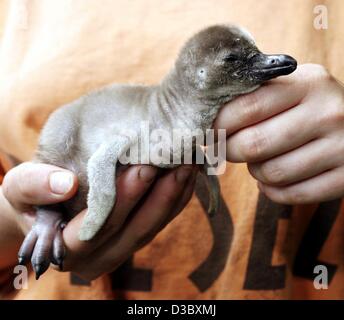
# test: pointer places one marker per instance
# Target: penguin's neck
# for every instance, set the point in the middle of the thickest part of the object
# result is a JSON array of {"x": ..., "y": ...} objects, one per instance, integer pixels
[{"x": 181, "y": 106}]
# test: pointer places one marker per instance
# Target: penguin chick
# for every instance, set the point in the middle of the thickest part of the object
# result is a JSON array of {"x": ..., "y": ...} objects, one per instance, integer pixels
[{"x": 89, "y": 135}]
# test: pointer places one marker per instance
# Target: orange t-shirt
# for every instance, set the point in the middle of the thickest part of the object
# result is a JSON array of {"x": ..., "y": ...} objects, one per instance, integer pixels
[{"x": 54, "y": 51}]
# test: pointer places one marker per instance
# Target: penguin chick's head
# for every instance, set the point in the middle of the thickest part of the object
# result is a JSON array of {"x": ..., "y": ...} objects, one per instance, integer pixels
[{"x": 221, "y": 62}]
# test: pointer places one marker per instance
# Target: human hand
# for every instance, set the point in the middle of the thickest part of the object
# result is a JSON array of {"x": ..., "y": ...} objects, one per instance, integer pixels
[
  {"x": 142, "y": 214},
  {"x": 23, "y": 187},
  {"x": 291, "y": 134},
  {"x": 30, "y": 184},
  {"x": 144, "y": 219}
]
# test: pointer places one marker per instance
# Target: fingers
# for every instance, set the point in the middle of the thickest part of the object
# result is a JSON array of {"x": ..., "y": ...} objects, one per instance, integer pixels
[
  {"x": 324, "y": 187},
  {"x": 132, "y": 184},
  {"x": 303, "y": 163},
  {"x": 143, "y": 225},
  {"x": 159, "y": 205},
  {"x": 139, "y": 179},
  {"x": 293, "y": 150},
  {"x": 38, "y": 184},
  {"x": 284, "y": 132},
  {"x": 184, "y": 198},
  {"x": 280, "y": 116},
  {"x": 131, "y": 187},
  {"x": 273, "y": 98}
]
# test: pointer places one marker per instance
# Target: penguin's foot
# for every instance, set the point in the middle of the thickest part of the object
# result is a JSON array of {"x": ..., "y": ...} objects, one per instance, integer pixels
[{"x": 44, "y": 243}]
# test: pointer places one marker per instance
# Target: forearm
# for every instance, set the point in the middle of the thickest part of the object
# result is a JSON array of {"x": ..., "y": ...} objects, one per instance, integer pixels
[{"x": 11, "y": 235}]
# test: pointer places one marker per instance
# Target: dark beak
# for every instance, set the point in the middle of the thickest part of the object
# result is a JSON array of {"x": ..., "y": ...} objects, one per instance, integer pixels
[{"x": 265, "y": 67}]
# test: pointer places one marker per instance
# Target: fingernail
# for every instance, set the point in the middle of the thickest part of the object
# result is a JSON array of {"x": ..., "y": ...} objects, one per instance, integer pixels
[
  {"x": 61, "y": 182},
  {"x": 147, "y": 173},
  {"x": 183, "y": 173}
]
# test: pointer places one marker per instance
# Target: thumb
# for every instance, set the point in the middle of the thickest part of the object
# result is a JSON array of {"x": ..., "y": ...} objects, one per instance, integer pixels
[{"x": 38, "y": 184}]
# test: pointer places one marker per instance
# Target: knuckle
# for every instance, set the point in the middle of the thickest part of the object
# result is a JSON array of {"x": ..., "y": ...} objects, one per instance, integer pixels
[
  {"x": 334, "y": 114},
  {"x": 23, "y": 175},
  {"x": 253, "y": 144},
  {"x": 296, "y": 197},
  {"x": 10, "y": 186},
  {"x": 320, "y": 72},
  {"x": 133, "y": 196},
  {"x": 272, "y": 173},
  {"x": 249, "y": 107},
  {"x": 26, "y": 193},
  {"x": 168, "y": 196},
  {"x": 316, "y": 72}
]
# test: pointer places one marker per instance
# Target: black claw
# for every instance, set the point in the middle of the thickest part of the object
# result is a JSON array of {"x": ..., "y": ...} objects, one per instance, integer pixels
[
  {"x": 211, "y": 213},
  {"x": 42, "y": 253},
  {"x": 39, "y": 270},
  {"x": 60, "y": 264}
]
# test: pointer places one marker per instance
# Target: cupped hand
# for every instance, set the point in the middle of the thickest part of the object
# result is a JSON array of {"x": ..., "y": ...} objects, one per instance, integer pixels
[
  {"x": 144, "y": 206},
  {"x": 291, "y": 134}
]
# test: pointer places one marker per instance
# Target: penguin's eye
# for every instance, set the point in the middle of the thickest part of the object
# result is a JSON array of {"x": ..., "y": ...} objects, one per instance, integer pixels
[{"x": 232, "y": 57}]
